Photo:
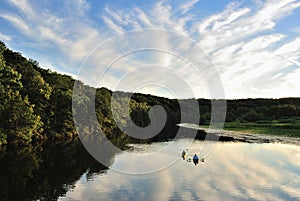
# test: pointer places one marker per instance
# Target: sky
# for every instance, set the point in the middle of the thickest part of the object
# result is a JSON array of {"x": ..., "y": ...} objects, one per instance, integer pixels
[{"x": 177, "y": 49}]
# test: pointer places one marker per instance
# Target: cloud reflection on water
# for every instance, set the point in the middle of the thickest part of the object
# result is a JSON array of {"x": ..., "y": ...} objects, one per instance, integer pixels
[{"x": 234, "y": 171}]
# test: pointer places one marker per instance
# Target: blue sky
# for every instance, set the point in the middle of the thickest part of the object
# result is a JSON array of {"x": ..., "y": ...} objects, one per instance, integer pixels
[{"x": 252, "y": 48}]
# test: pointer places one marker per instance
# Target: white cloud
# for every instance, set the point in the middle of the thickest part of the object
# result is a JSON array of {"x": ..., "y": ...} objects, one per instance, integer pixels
[
  {"x": 4, "y": 37},
  {"x": 117, "y": 16},
  {"x": 290, "y": 50},
  {"x": 187, "y": 6},
  {"x": 18, "y": 22},
  {"x": 70, "y": 34},
  {"x": 113, "y": 26},
  {"x": 250, "y": 54},
  {"x": 247, "y": 62},
  {"x": 236, "y": 24},
  {"x": 143, "y": 18},
  {"x": 23, "y": 6},
  {"x": 264, "y": 42}
]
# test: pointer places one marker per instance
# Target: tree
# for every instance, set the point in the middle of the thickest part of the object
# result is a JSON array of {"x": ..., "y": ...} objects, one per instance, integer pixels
[
  {"x": 18, "y": 122},
  {"x": 287, "y": 111},
  {"x": 34, "y": 85},
  {"x": 19, "y": 119},
  {"x": 252, "y": 116}
]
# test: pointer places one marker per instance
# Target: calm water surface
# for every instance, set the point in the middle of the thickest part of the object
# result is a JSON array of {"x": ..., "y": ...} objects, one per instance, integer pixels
[{"x": 233, "y": 171}]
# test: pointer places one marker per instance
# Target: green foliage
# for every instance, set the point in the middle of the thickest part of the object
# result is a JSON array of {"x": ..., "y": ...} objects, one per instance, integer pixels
[
  {"x": 287, "y": 110},
  {"x": 205, "y": 118},
  {"x": 252, "y": 116},
  {"x": 18, "y": 122},
  {"x": 3, "y": 137},
  {"x": 34, "y": 85}
]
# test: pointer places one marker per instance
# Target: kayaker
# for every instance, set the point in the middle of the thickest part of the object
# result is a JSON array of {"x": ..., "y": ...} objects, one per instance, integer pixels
[
  {"x": 183, "y": 155},
  {"x": 195, "y": 159}
]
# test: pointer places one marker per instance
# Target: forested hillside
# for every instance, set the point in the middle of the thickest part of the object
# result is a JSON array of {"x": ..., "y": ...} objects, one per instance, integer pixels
[{"x": 36, "y": 105}]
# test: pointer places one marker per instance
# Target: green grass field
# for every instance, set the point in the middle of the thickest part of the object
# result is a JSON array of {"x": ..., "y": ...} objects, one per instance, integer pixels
[{"x": 283, "y": 129}]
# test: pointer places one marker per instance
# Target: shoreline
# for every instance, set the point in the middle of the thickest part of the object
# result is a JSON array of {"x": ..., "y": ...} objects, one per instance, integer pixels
[{"x": 237, "y": 136}]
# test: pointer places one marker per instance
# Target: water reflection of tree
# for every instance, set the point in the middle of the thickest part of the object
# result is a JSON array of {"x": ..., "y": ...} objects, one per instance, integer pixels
[{"x": 45, "y": 171}]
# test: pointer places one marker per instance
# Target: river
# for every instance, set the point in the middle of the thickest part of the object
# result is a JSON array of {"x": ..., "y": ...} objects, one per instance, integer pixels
[{"x": 153, "y": 171}]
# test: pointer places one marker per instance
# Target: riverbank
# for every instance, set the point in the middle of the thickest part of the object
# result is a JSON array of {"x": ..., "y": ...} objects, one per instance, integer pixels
[
  {"x": 249, "y": 135},
  {"x": 277, "y": 129},
  {"x": 237, "y": 136}
]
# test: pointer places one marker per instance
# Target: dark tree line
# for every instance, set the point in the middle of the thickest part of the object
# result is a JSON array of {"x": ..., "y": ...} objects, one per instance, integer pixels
[
  {"x": 36, "y": 105},
  {"x": 285, "y": 110}
]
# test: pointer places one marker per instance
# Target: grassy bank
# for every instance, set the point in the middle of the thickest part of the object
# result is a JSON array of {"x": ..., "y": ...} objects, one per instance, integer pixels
[{"x": 282, "y": 129}]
